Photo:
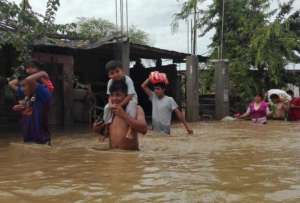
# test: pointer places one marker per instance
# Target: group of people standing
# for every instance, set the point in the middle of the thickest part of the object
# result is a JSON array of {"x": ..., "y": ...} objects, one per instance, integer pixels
[
  {"x": 123, "y": 118},
  {"x": 276, "y": 104}
]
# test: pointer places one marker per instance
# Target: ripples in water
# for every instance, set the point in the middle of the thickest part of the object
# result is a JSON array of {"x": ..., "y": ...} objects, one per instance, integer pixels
[{"x": 222, "y": 162}]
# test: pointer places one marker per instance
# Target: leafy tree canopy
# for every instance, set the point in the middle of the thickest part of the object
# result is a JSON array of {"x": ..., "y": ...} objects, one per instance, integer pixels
[
  {"x": 255, "y": 38},
  {"x": 20, "y": 26},
  {"x": 98, "y": 28}
]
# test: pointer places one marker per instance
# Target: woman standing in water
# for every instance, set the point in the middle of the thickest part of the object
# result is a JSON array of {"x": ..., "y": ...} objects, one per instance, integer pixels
[
  {"x": 34, "y": 109},
  {"x": 258, "y": 110}
]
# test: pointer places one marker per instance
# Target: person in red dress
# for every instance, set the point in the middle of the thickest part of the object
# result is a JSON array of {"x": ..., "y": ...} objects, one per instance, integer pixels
[{"x": 294, "y": 111}]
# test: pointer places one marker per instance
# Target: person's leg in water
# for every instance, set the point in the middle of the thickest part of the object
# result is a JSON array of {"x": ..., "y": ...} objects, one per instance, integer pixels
[
  {"x": 260, "y": 121},
  {"x": 131, "y": 111}
]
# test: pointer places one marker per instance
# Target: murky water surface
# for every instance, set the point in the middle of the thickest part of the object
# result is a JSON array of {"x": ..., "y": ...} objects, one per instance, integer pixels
[{"x": 222, "y": 162}]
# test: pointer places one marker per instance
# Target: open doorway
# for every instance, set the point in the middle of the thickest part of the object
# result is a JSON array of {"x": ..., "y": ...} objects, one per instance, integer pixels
[{"x": 56, "y": 75}]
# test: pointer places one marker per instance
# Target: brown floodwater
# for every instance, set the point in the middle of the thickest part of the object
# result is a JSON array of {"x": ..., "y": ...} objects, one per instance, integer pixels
[{"x": 221, "y": 162}]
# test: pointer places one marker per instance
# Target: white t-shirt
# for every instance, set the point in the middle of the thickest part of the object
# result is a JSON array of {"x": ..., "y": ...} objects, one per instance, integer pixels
[
  {"x": 130, "y": 87},
  {"x": 281, "y": 93},
  {"x": 162, "y": 109}
]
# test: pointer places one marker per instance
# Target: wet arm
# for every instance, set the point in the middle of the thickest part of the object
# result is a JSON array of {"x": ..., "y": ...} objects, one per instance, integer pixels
[
  {"x": 180, "y": 116},
  {"x": 138, "y": 124},
  {"x": 37, "y": 76},
  {"x": 295, "y": 106},
  {"x": 246, "y": 114},
  {"x": 97, "y": 127},
  {"x": 146, "y": 88},
  {"x": 13, "y": 84}
]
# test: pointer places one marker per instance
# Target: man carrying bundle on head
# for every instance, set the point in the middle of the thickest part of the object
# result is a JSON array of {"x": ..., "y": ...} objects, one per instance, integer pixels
[{"x": 162, "y": 105}]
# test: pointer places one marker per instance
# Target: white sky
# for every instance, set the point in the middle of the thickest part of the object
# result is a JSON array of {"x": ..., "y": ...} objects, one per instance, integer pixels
[{"x": 152, "y": 16}]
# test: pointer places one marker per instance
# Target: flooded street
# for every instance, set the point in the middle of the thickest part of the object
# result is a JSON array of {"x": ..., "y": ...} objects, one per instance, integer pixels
[{"x": 221, "y": 162}]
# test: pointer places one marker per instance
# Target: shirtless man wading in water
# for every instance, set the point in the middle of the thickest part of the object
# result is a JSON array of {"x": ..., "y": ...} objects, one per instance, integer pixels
[{"x": 121, "y": 121}]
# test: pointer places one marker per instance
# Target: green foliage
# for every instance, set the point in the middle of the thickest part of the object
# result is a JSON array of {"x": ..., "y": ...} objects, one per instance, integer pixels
[
  {"x": 97, "y": 29},
  {"x": 21, "y": 26},
  {"x": 138, "y": 36},
  {"x": 255, "y": 38},
  {"x": 92, "y": 28},
  {"x": 52, "y": 7}
]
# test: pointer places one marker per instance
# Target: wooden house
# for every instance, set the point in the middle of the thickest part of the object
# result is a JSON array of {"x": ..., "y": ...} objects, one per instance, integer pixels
[{"x": 66, "y": 60}]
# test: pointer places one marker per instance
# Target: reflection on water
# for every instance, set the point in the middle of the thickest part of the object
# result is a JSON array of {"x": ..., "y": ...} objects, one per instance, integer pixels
[{"x": 222, "y": 162}]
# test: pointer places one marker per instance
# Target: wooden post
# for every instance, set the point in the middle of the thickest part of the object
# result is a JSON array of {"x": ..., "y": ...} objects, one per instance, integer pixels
[
  {"x": 192, "y": 89},
  {"x": 68, "y": 72},
  {"x": 122, "y": 53},
  {"x": 222, "y": 89},
  {"x": 178, "y": 95}
]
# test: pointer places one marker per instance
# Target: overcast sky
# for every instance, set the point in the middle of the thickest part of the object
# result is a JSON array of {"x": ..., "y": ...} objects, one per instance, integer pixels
[{"x": 152, "y": 16}]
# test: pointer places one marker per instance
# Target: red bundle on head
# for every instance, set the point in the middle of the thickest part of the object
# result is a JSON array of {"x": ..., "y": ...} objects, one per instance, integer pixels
[{"x": 157, "y": 77}]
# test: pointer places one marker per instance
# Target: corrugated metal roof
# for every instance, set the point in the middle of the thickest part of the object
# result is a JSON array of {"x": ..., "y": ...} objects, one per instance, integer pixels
[
  {"x": 108, "y": 45},
  {"x": 74, "y": 44}
]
